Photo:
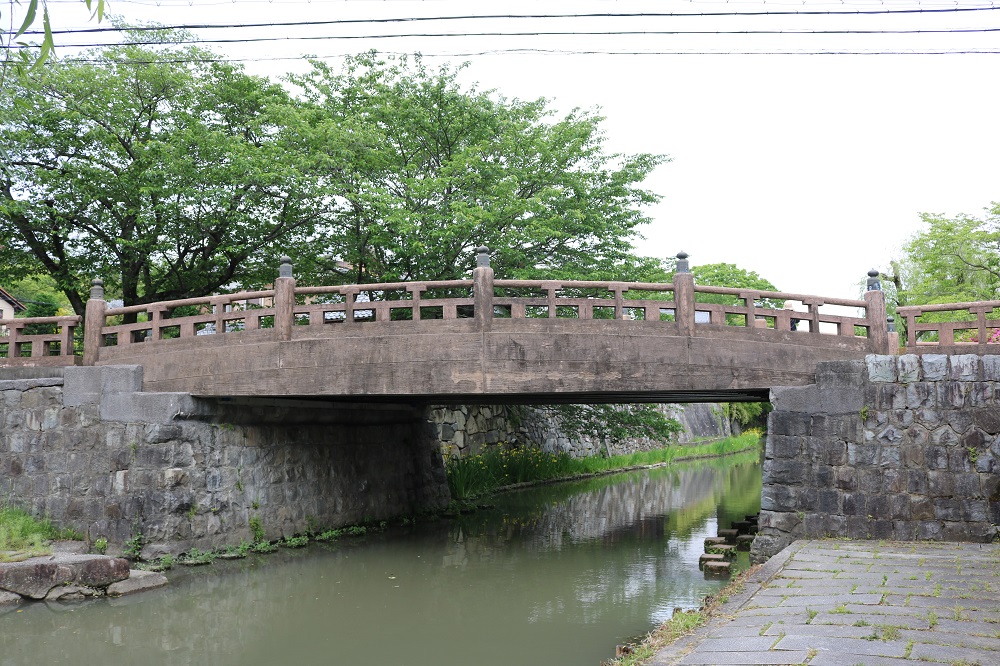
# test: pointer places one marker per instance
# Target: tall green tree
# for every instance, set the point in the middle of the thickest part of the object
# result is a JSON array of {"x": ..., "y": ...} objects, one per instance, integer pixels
[
  {"x": 729, "y": 275},
  {"x": 951, "y": 260},
  {"x": 164, "y": 174},
  {"x": 421, "y": 170}
]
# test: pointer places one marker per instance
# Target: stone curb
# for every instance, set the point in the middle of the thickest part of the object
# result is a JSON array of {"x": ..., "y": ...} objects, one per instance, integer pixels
[
  {"x": 27, "y": 384},
  {"x": 670, "y": 654}
]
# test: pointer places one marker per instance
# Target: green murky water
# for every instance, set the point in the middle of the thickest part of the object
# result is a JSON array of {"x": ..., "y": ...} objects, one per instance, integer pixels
[{"x": 553, "y": 575}]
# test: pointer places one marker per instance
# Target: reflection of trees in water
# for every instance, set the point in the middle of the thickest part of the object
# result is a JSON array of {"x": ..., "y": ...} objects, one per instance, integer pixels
[
  {"x": 636, "y": 506},
  {"x": 622, "y": 546},
  {"x": 563, "y": 565}
]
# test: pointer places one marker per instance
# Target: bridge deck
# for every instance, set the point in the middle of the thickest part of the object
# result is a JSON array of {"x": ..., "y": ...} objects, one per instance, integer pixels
[{"x": 532, "y": 360}]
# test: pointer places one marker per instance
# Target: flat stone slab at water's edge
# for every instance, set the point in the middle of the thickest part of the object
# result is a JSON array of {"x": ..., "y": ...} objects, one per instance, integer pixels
[
  {"x": 71, "y": 574},
  {"x": 138, "y": 581},
  {"x": 35, "y": 577}
]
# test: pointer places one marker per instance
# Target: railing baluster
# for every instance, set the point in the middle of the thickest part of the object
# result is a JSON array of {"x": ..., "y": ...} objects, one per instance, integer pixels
[{"x": 415, "y": 300}]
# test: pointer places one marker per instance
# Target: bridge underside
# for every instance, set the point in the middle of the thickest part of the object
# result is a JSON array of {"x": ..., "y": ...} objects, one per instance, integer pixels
[{"x": 524, "y": 361}]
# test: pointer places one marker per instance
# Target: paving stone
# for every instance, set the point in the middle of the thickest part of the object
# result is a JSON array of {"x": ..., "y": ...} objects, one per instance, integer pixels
[
  {"x": 844, "y": 598},
  {"x": 944, "y": 624},
  {"x": 844, "y": 646},
  {"x": 812, "y": 629},
  {"x": 736, "y": 658},
  {"x": 803, "y": 574},
  {"x": 948, "y": 654},
  {"x": 887, "y": 610},
  {"x": 818, "y": 590},
  {"x": 733, "y": 630},
  {"x": 759, "y": 643},
  {"x": 871, "y": 620},
  {"x": 954, "y": 640},
  {"x": 830, "y": 659}
]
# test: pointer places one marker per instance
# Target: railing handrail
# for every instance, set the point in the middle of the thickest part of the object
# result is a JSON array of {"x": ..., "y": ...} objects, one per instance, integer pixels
[
  {"x": 419, "y": 285},
  {"x": 678, "y": 299},
  {"x": 808, "y": 299},
  {"x": 945, "y": 307},
  {"x": 197, "y": 300},
  {"x": 24, "y": 321},
  {"x": 945, "y": 330}
]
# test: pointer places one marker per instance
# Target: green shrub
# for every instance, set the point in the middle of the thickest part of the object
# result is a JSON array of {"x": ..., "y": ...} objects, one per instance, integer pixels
[{"x": 26, "y": 535}]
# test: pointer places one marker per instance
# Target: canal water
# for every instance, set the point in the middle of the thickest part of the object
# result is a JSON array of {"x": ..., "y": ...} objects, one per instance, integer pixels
[{"x": 556, "y": 575}]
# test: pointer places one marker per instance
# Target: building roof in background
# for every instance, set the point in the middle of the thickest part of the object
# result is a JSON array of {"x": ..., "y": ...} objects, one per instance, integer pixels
[{"x": 18, "y": 305}]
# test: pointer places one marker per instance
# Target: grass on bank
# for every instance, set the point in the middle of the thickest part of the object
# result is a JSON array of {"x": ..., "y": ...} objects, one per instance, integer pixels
[
  {"x": 23, "y": 536},
  {"x": 497, "y": 467}
]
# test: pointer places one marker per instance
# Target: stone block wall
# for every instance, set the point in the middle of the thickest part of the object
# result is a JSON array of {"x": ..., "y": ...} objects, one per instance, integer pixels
[
  {"x": 93, "y": 453},
  {"x": 467, "y": 429},
  {"x": 892, "y": 447}
]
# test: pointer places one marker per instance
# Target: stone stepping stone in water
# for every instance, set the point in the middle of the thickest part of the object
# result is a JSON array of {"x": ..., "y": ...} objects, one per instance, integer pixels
[
  {"x": 744, "y": 541},
  {"x": 717, "y": 568},
  {"x": 742, "y": 526},
  {"x": 729, "y": 535},
  {"x": 710, "y": 557},
  {"x": 714, "y": 541},
  {"x": 727, "y": 550}
]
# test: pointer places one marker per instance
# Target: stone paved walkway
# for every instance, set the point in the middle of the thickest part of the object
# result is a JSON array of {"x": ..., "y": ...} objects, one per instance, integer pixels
[{"x": 858, "y": 602}]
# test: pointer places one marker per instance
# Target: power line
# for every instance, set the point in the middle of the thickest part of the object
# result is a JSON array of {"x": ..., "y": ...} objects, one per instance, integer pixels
[
  {"x": 602, "y": 15},
  {"x": 556, "y": 52},
  {"x": 546, "y": 33}
]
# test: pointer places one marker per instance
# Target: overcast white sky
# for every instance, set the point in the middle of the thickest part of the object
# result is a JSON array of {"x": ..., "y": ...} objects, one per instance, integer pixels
[{"x": 808, "y": 169}]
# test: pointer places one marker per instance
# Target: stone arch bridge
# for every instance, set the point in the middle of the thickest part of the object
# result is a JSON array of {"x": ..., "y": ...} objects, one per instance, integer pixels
[{"x": 478, "y": 340}]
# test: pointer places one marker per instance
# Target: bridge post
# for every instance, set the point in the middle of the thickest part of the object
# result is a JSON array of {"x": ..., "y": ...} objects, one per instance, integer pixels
[
  {"x": 284, "y": 300},
  {"x": 482, "y": 289},
  {"x": 684, "y": 295},
  {"x": 93, "y": 322},
  {"x": 878, "y": 325}
]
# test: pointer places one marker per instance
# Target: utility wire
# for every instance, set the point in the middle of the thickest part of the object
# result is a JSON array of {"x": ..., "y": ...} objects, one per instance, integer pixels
[
  {"x": 605, "y": 15},
  {"x": 528, "y": 51},
  {"x": 543, "y": 33}
]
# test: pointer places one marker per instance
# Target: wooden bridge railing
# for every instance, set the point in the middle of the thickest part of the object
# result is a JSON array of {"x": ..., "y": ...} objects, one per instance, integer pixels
[
  {"x": 680, "y": 303},
  {"x": 975, "y": 324}
]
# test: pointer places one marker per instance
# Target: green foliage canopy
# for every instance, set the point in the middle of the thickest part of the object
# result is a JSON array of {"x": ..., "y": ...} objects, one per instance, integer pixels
[
  {"x": 951, "y": 260},
  {"x": 164, "y": 175},
  {"x": 419, "y": 171}
]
